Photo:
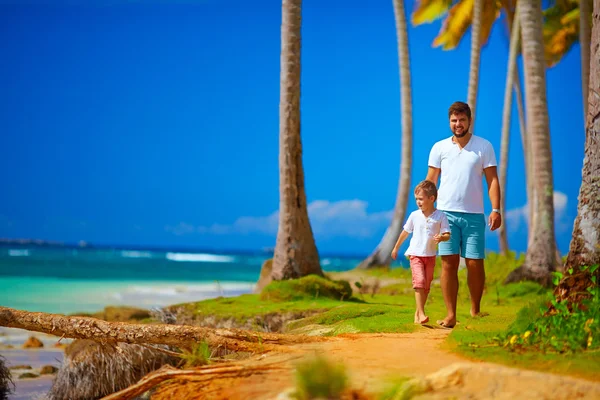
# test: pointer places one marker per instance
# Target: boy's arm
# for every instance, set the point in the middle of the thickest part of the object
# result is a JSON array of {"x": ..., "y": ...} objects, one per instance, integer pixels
[
  {"x": 444, "y": 234},
  {"x": 444, "y": 237},
  {"x": 401, "y": 240}
]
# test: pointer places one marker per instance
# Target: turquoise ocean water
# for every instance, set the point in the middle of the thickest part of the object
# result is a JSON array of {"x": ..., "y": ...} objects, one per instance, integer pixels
[{"x": 66, "y": 280}]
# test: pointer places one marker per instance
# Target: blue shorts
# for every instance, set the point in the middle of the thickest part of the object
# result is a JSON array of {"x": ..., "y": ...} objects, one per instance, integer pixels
[{"x": 467, "y": 235}]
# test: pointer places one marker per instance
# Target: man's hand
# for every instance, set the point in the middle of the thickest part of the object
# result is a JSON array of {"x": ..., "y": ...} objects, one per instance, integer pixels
[
  {"x": 438, "y": 238},
  {"x": 494, "y": 221},
  {"x": 394, "y": 253}
]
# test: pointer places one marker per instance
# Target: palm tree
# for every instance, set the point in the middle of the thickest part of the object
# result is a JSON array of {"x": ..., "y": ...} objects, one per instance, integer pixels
[
  {"x": 511, "y": 76},
  {"x": 475, "y": 57},
  {"x": 584, "y": 42},
  {"x": 585, "y": 245},
  {"x": 382, "y": 253},
  {"x": 540, "y": 259},
  {"x": 296, "y": 254}
]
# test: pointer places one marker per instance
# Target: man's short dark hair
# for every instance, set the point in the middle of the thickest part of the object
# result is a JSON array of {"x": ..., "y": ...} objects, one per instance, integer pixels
[{"x": 459, "y": 107}]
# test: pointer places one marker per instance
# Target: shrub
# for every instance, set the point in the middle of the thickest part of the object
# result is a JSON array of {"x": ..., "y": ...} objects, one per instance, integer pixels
[{"x": 308, "y": 287}]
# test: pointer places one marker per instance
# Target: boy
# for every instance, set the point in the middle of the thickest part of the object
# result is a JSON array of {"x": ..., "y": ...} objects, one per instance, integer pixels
[{"x": 429, "y": 227}]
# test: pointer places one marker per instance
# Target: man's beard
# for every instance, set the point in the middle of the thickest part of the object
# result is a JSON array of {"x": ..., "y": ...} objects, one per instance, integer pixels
[{"x": 464, "y": 132}]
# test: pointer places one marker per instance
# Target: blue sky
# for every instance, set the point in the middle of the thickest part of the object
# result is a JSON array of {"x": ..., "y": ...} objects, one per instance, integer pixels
[{"x": 156, "y": 123}]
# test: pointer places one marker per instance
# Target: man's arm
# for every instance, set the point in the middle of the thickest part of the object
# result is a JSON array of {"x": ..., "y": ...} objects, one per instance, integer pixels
[
  {"x": 491, "y": 176},
  {"x": 433, "y": 175}
]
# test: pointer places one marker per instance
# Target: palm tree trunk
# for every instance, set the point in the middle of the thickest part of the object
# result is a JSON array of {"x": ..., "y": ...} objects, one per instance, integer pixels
[
  {"x": 584, "y": 42},
  {"x": 475, "y": 56},
  {"x": 296, "y": 254},
  {"x": 181, "y": 336},
  {"x": 585, "y": 245},
  {"x": 527, "y": 156},
  {"x": 540, "y": 260},
  {"x": 505, "y": 139},
  {"x": 382, "y": 254}
]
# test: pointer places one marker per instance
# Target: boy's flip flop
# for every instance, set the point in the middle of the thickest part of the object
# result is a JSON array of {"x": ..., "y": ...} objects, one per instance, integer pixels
[{"x": 442, "y": 323}]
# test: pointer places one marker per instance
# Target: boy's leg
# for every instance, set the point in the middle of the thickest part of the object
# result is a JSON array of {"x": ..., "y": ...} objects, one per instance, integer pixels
[
  {"x": 474, "y": 253},
  {"x": 450, "y": 253},
  {"x": 420, "y": 299},
  {"x": 417, "y": 268},
  {"x": 429, "y": 270}
]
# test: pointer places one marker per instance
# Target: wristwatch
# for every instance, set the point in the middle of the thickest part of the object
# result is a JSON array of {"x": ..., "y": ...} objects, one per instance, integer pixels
[{"x": 496, "y": 210}]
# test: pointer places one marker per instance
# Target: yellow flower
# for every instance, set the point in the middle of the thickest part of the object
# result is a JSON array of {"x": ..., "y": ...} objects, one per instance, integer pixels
[
  {"x": 586, "y": 327},
  {"x": 526, "y": 334},
  {"x": 589, "y": 342},
  {"x": 513, "y": 339}
]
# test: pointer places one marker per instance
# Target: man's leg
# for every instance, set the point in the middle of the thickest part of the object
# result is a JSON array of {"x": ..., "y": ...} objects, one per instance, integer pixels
[
  {"x": 476, "y": 282},
  {"x": 450, "y": 253},
  {"x": 474, "y": 253},
  {"x": 449, "y": 283}
]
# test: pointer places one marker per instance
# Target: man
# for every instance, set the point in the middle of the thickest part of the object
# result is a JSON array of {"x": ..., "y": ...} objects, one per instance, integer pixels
[{"x": 461, "y": 161}]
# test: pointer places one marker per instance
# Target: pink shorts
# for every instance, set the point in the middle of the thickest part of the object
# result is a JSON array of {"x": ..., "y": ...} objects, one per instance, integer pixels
[{"x": 422, "y": 271}]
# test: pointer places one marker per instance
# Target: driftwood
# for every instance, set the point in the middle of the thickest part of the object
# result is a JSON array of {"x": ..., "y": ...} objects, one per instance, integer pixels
[
  {"x": 172, "y": 335},
  {"x": 165, "y": 373}
]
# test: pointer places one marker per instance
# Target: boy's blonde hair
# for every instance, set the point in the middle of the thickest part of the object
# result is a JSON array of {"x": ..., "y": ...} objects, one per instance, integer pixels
[{"x": 428, "y": 188}]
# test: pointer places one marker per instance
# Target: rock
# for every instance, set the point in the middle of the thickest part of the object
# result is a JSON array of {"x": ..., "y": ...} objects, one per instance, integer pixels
[
  {"x": 491, "y": 381},
  {"x": 48, "y": 370},
  {"x": 20, "y": 367},
  {"x": 33, "y": 343},
  {"x": 28, "y": 375}
]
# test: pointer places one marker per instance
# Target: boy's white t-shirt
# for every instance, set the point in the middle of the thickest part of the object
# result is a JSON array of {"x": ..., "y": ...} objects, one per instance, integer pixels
[
  {"x": 423, "y": 230},
  {"x": 461, "y": 178}
]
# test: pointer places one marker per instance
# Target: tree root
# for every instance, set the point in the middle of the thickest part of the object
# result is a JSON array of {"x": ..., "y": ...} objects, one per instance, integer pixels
[{"x": 168, "y": 372}]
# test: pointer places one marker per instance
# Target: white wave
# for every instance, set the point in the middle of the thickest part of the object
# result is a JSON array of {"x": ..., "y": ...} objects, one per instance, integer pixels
[
  {"x": 18, "y": 253},
  {"x": 177, "y": 289},
  {"x": 162, "y": 294},
  {"x": 325, "y": 261},
  {"x": 136, "y": 254},
  {"x": 198, "y": 257}
]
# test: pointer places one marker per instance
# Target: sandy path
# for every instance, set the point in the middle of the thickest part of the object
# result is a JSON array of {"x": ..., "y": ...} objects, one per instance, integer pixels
[{"x": 370, "y": 359}]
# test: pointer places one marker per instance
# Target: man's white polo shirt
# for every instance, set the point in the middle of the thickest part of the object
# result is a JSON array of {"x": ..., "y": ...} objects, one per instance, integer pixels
[{"x": 461, "y": 177}]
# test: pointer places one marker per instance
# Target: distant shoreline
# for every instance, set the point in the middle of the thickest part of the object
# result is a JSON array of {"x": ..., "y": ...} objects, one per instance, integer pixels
[{"x": 27, "y": 242}]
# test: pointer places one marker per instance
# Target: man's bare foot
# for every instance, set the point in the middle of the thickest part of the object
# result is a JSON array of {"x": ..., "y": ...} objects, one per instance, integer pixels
[{"x": 446, "y": 323}]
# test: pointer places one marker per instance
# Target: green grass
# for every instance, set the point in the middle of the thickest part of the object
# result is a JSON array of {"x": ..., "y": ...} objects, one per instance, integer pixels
[
  {"x": 332, "y": 311},
  {"x": 319, "y": 378}
]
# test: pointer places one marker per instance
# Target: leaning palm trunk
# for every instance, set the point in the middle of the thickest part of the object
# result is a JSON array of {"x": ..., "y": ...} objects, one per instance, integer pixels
[
  {"x": 505, "y": 140},
  {"x": 382, "y": 253},
  {"x": 540, "y": 260},
  {"x": 585, "y": 245},
  {"x": 475, "y": 56},
  {"x": 180, "y": 336},
  {"x": 584, "y": 42},
  {"x": 296, "y": 253},
  {"x": 527, "y": 156}
]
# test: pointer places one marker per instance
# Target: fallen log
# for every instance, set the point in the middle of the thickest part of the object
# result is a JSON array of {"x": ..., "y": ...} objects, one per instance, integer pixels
[{"x": 172, "y": 335}]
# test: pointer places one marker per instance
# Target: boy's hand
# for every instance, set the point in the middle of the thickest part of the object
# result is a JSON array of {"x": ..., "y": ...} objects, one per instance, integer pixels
[
  {"x": 394, "y": 253},
  {"x": 438, "y": 238}
]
